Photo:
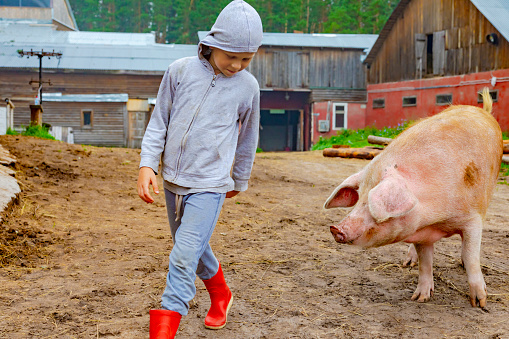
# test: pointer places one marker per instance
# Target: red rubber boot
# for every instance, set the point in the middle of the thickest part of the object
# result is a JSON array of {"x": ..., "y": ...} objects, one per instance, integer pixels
[
  {"x": 221, "y": 300},
  {"x": 164, "y": 324}
]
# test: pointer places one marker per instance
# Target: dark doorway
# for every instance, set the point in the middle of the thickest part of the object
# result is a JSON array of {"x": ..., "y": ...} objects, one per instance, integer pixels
[{"x": 280, "y": 130}]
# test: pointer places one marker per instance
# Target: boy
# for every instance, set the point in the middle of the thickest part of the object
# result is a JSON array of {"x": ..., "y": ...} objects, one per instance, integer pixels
[{"x": 205, "y": 120}]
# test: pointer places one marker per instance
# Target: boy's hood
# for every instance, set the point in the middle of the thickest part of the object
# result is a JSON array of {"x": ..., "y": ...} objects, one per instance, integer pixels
[{"x": 238, "y": 29}]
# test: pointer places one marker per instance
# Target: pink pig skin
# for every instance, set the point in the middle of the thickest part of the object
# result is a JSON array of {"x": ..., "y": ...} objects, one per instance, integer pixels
[{"x": 433, "y": 181}]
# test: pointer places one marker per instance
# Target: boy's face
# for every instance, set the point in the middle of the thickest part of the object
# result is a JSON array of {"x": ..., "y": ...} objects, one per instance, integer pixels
[{"x": 229, "y": 63}]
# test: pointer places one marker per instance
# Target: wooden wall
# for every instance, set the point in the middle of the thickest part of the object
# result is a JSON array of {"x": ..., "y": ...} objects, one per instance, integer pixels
[
  {"x": 109, "y": 120},
  {"x": 466, "y": 49},
  {"x": 303, "y": 68},
  {"x": 15, "y": 83},
  {"x": 37, "y": 13}
]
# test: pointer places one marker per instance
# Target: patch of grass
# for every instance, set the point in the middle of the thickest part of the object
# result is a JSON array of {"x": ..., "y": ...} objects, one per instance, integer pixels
[
  {"x": 33, "y": 131},
  {"x": 10, "y": 131},
  {"x": 504, "y": 170},
  {"x": 359, "y": 137},
  {"x": 38, "y": 131}
]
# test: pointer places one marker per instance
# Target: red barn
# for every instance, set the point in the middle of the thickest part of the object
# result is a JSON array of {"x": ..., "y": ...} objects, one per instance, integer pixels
[{"x": 433, "y": 53}]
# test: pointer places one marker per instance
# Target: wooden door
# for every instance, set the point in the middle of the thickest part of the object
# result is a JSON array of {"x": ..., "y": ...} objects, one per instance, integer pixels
[{"x": 137, "y": 124}]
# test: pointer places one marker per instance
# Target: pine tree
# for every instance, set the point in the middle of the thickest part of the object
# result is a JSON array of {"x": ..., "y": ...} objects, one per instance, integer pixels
[{"x": 178, "y": 21}]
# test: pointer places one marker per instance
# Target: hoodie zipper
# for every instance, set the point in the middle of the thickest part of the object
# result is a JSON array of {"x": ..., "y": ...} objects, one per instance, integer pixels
[{"x": 186, "y": 134}]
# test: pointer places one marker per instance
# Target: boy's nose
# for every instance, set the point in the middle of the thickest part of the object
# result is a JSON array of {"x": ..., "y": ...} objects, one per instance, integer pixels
[{"x": 236, "y": 65}]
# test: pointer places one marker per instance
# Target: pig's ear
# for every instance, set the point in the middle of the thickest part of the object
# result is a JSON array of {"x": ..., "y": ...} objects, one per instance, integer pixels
[
  {"x": 345, "y": 195},
  {"x": 391, "y": 198}
]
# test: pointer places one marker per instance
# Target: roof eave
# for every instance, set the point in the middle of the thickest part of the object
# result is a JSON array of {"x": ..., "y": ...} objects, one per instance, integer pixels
[{"x": 386, "y": 30}]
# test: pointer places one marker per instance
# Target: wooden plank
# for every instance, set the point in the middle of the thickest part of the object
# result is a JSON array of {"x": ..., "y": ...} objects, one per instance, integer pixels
[
  {"x": 373, "y": 139},
  {"x": 359, "y": 153}
]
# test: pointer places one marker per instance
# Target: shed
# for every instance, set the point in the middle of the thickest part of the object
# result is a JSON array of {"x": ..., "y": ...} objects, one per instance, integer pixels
[
  {"x": 433, "y": 53},
  {"x": 95, "y": 119}
]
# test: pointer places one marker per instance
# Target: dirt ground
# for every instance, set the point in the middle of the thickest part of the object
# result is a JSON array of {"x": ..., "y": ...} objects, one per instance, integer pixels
[{"x": 83, "y": 257}]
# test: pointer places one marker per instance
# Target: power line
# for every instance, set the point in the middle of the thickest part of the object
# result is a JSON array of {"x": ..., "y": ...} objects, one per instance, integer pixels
[{"x": 40, "y": 54}]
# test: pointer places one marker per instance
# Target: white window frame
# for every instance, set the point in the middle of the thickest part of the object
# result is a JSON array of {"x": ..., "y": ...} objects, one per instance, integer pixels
[{"x": 345, "y": 117}]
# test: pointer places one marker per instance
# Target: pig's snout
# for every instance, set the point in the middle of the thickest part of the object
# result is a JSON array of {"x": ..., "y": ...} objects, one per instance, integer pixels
[{"x": 338, "y": 235}]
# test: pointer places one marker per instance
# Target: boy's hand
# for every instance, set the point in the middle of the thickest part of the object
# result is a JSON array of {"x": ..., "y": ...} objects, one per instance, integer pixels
[
  {"x": 147, "y": 177},
  {"x": 231, "y": 194}
]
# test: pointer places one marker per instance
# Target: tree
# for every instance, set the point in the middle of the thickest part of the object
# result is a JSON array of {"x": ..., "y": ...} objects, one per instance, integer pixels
[{"x": 178, "y": 21}]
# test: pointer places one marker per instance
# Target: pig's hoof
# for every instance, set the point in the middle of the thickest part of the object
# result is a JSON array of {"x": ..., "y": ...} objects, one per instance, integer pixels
[
  {"x": 422, "y": 294},
  {"x": 411, "y": 258},
  {"x": 420, "y": 298},
  {"x": 409, "y": 262},
  {"x": 478, "y": 296},
  {"x": 338, "y": 235}
]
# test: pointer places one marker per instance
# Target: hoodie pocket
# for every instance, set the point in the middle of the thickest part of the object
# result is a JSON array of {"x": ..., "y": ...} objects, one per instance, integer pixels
[{"x": 200, "y": 155}]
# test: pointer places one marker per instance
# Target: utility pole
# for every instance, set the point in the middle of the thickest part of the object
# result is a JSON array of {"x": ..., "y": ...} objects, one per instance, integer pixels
[{"x": 40, "y": 54}]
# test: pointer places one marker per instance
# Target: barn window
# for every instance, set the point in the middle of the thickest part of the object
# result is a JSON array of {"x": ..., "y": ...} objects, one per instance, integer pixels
[
  {"x": 87, "y": 118},
  {"x": 493, "y": 93},
  {"x": 443, "y": 99},
  {"x": 409, "y": 101},
  {"x": 379, "y": 103},
  {"x": 340, "y": 116}
]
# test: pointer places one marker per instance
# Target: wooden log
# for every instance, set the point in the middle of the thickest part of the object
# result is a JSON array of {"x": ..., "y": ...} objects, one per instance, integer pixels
[
  {"x": 373, "y": 139},
  {"x": 358, "y": 153},
  {"x": 340, "y": 146},
  {"x": 505, "y": 159}
]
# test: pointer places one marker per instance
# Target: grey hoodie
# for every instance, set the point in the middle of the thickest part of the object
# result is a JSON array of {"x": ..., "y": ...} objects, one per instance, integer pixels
[{"x": 195, "y": 123}]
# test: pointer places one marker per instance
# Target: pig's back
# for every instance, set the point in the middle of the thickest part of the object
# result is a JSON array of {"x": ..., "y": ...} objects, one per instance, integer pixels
[{"x": 450, "y": 160}]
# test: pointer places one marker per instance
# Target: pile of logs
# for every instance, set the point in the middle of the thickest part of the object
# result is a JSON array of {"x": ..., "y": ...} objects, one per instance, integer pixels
[{"x": 370, "y": 152}]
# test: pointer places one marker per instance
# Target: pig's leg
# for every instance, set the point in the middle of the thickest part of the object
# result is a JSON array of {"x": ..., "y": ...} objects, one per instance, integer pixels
[
  {"x": 425, "y": 286},
  {"x": 470, "y": 252},
  {"x": 411, "y": 258}
]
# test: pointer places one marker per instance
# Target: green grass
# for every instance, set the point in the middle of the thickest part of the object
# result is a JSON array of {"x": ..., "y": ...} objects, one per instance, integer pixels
[
  {"x": 504, "y": 170},
  {"x": 359, "y": 137},
  {"x": 33, "y": 131}
]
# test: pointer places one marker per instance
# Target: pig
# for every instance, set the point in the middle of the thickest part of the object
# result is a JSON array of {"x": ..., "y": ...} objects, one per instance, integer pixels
[{"x": 433, "y": 181}]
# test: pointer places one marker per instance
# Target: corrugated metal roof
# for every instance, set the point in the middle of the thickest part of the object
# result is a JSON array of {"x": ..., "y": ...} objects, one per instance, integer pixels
[
  {"x": 86, "y": 50},
  {"x": 497, "y": 12},
  {"x": 357, "y": 41},
  {"x": 58, "y": 97}
]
